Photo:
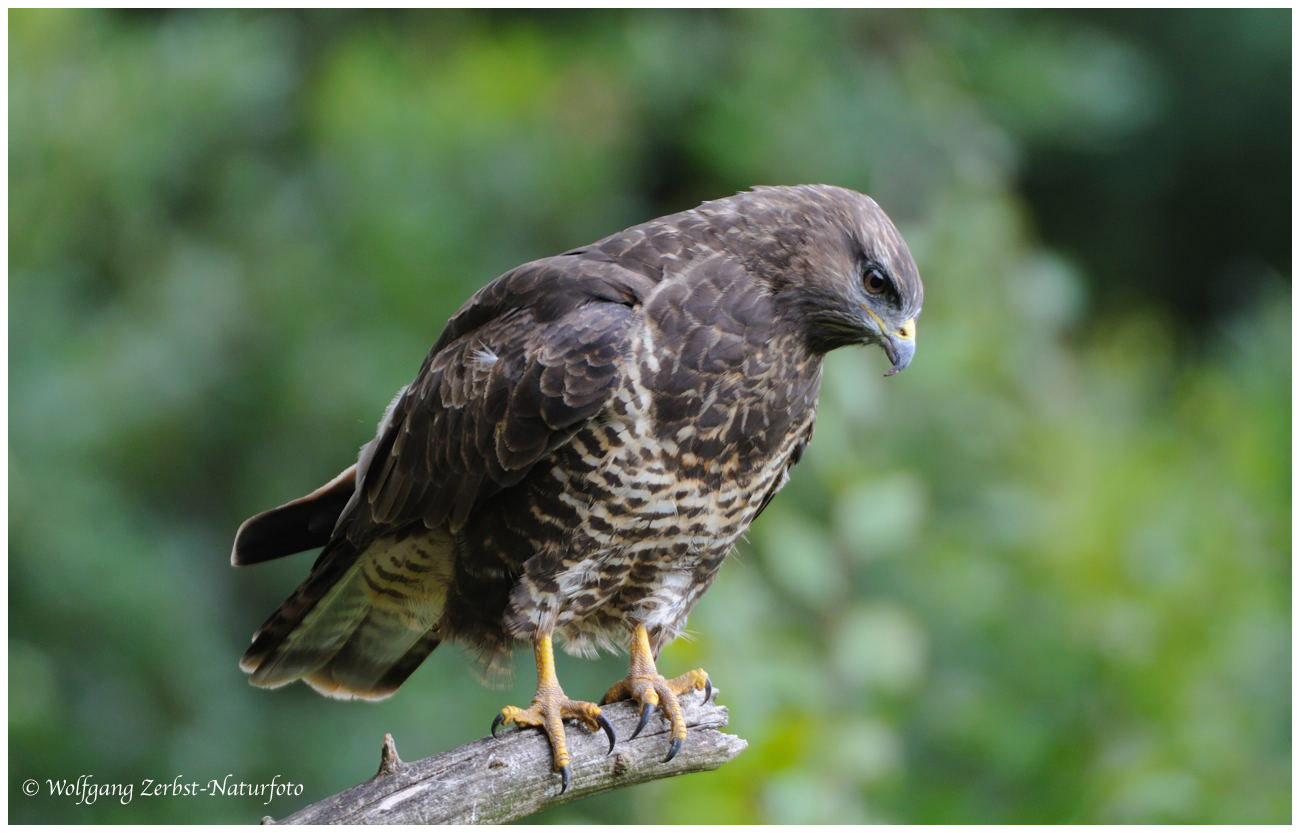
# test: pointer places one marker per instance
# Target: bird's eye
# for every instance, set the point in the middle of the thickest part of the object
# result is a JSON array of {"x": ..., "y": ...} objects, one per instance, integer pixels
[{"x": 875, "y": 281}]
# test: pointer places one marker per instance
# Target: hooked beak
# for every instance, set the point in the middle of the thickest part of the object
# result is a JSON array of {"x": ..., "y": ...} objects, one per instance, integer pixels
[{"x": 900, "y": 346}]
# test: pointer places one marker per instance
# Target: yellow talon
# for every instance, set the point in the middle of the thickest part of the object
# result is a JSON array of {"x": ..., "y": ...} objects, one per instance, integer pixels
[
  {"x": 550, "y": 708},
  {"x": 651, "y": 689}
]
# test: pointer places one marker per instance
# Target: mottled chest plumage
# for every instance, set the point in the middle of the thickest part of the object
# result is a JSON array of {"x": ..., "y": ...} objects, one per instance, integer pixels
[{"x": 630, "y": 520}]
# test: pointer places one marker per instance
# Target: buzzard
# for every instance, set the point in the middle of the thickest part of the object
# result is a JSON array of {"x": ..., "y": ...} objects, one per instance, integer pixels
[{"x": 580, "y": 450}]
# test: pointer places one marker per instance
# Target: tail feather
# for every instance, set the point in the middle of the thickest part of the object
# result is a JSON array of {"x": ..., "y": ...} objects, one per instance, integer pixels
[
  {"x": 307, "y": 630},
  {"x": 341, "y": 678},
  {"x": 360, "y": 624}
]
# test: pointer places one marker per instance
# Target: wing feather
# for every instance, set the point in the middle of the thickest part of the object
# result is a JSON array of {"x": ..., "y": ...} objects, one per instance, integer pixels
[{"x": 518, "y": 370}]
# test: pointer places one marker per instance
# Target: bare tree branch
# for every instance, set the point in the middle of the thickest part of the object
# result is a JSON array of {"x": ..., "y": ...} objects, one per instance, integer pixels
[{"x": 501, "y": 780}]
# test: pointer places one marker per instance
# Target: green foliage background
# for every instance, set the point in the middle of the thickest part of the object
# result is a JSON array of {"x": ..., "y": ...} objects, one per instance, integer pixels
[{"x": 1043, "y": 576}]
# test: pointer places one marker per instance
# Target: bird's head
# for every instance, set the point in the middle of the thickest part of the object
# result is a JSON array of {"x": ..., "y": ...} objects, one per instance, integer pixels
[{"x": 837, "y": 266}]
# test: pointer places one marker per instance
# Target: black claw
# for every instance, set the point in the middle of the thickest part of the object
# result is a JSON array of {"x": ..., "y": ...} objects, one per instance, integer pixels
[
  {"x": 564, "y": 778},
  {"x": 496, "y": 723},
  {"x": 609, "y": 730},
  {"x": 674, "y": 749},
  {"x": 708, "y": 689},
  {"x": 645, "y": 718}
]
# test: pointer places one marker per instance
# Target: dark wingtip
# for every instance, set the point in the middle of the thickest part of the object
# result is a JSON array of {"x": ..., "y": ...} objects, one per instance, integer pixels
[{"x": 301, "y": 524}]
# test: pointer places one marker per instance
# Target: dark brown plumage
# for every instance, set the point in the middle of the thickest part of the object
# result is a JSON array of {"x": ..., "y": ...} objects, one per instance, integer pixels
[{"x": 584, "y": 444}]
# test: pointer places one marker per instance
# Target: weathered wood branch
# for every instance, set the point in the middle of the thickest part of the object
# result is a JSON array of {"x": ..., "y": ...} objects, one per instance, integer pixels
[{"x": 504, "y": 779}]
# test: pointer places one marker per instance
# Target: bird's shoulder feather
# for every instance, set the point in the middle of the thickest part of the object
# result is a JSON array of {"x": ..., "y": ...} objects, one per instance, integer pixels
[{"x": 518, "y": 369}]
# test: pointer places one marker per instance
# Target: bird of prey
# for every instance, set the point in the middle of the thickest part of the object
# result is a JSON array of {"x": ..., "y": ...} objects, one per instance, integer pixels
[{"x": 580, "y": 450}]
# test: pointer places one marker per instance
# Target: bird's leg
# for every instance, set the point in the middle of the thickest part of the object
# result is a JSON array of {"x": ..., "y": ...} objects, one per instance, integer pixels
[
  {"x": 648, "y": 687},
  {"x": 550, "y": 708}
]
